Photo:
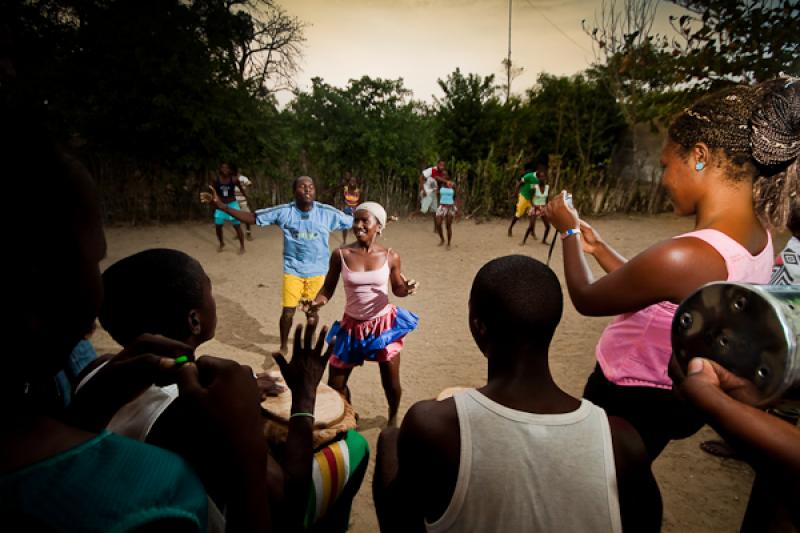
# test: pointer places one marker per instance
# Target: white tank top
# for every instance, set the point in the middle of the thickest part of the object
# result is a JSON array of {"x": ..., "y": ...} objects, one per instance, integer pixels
[{"x": 528, "y": 472}]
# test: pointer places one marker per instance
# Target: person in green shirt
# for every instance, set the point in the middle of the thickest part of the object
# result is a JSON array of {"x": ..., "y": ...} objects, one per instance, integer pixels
[
  {"x": 524, "y": 194},
  {"x": 541, "y": 192}
]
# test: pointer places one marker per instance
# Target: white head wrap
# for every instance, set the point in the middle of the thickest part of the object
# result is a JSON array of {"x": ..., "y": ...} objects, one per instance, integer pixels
[{"x": 376, "y": 210}]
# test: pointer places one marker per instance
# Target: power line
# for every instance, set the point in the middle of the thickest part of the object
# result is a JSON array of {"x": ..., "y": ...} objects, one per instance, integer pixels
[
  {"x": 562, "y": 32},
  {"x": 508, "y": 59}
]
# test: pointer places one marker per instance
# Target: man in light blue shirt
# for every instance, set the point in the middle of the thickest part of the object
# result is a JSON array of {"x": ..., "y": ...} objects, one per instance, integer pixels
[{"x": 306, "y": 225}]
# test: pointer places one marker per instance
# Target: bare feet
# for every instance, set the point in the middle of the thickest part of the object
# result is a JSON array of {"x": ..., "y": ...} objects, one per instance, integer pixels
[
  {"x": 241, "y": 250},
  {"x": 441, "y": 242},
  {"x": 448, "y": 245},
  {"x": 544, "y": 242},
  {"x": 220, "y": 247}
]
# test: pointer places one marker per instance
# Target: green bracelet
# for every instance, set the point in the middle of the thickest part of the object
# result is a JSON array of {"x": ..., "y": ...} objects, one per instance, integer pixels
[{"x": 309, "y": 415}]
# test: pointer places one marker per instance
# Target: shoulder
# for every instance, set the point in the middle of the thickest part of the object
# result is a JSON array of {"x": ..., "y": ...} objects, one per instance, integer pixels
[
  {"x": 430, "y": 422},
  {"x": 683, "y": 253},
  {"x": 328, "y": 210},
  {"x": 276, "y": 208},
  {"x": 394, "y": 257}
]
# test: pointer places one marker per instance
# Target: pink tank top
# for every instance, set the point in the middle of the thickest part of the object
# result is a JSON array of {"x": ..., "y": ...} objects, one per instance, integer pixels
[
  {"x": 367, "y": 292},
  {"x": 635, "y": 348}
]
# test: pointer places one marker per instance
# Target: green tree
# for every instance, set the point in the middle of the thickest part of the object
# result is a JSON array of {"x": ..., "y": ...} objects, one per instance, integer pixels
[
  {"x": 148, "y": 91},
  {"x": 467, "y": 116},
  {"x": 371, "y": 128}
]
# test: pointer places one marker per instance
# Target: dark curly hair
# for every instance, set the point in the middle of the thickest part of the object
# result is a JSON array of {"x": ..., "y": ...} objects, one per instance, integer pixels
[
  {"x": 758, "y": 130},
  {"x": 151, "y": 292}
]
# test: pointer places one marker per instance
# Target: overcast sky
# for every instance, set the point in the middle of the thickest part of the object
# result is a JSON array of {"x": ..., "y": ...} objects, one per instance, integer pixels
[{"x": 422, "y": 40}]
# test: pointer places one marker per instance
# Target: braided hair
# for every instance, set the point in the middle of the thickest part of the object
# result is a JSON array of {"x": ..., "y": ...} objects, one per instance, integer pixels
[{"x": 758, "y": 129}]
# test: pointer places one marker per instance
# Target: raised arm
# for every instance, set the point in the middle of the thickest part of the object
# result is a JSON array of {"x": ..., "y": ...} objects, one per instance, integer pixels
[
  {"x": 242, "y": 216},
  {"x": 302, "y": 374},
  {"x": 667, "y": 271},
  {"x": 400, "y": 285}
]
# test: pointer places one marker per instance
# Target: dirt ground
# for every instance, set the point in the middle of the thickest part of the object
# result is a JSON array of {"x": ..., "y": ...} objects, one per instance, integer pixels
[{"x": 701, "y": 493}]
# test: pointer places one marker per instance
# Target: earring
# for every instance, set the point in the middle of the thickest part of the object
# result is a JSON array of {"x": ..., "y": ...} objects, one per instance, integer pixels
[{"x": 699, "y": 166}]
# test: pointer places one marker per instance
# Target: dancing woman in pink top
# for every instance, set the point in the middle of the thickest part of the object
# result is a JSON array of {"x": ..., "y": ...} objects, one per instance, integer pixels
[
  {"x": 729, "y": 151},
  {"x": 372, "y": 329}
]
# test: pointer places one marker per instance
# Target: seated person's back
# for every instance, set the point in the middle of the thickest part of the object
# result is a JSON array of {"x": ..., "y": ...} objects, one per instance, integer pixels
[{"x": 518, "y": 454}]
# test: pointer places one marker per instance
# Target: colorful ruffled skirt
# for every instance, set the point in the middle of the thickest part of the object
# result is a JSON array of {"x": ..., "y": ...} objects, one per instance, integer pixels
[{"x": 379, "y": 339}]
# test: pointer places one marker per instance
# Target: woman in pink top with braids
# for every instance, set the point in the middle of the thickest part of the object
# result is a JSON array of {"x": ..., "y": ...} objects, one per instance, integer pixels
[
  {"x": 372, "y": 329},
  {"x": 731, "y": 160}
]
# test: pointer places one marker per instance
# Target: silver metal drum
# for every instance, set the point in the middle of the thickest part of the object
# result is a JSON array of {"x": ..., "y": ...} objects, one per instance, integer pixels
[{"x": 752, "y": 330}]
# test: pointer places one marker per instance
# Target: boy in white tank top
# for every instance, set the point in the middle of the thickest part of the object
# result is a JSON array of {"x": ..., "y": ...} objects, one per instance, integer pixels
[{"x": 518, "y": 454}]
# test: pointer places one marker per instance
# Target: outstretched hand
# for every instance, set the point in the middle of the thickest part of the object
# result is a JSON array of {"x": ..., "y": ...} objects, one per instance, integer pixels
[
  {"x": 304, "y": 372},
  {"x": 411, "y": 285},
  {"x": 215, "y": 198}
]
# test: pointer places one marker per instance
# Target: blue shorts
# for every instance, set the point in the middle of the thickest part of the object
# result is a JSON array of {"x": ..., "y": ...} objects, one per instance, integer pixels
[{"x": 220, "y": 217}]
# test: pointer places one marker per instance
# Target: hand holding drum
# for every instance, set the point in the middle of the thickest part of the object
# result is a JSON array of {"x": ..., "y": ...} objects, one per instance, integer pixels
[{"x": 749, "y": 330}]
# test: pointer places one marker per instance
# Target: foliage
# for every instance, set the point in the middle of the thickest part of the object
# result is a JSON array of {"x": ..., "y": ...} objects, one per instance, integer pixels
[
  {"x": 467, "y": 116},
  {"x": 154, "y": 93},
  {"x": 721, "y": 41},
  {"x": 371, "y": 128},
  {"x": 570, "y": 117},
  {"x": 626, "y": 54}
]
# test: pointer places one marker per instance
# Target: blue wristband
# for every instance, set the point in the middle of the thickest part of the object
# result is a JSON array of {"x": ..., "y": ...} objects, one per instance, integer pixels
[{"x": 570, "y": 232}]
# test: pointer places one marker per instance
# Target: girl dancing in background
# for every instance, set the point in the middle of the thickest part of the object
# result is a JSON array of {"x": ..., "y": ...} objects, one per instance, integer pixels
[
  {"x": 446, "y": 210},
  {"x": 541, "y": 191},
  {"x": 372, "y": 329}
]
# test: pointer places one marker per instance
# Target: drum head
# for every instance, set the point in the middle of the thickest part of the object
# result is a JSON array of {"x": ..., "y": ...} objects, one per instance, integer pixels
[
  {"x": 449, "y": 392},
  {"x": 740, "y": 327},
  {"x": 328, "y": 409}
]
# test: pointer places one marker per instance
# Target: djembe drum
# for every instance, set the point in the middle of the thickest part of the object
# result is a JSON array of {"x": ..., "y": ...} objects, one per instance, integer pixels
[
  {"x": 333, "y": 415},
  {"x": 752, "y": 330}
]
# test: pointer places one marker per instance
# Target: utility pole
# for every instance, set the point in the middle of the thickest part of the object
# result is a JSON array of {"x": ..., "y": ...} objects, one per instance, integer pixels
[{"x": 508, "y": 59}]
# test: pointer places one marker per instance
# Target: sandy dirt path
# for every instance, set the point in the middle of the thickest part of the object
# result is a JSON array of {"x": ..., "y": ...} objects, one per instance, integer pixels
[{"x": 700, "y": 492}]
